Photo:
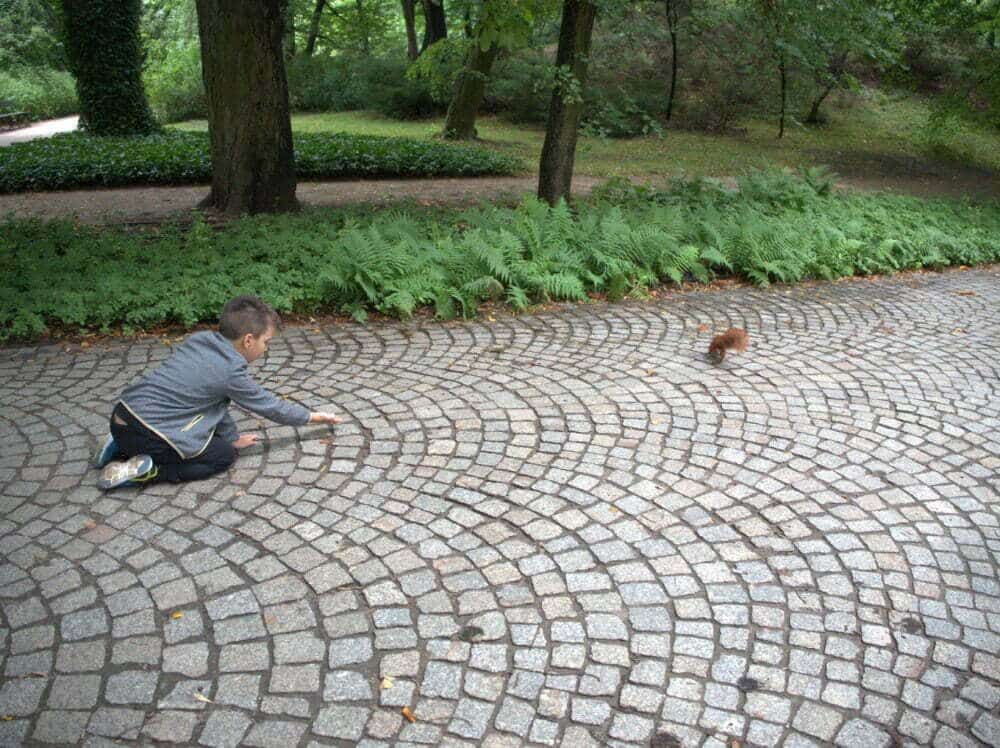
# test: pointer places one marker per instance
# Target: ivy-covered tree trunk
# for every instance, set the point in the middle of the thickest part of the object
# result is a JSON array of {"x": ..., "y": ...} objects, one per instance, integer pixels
[
  {"x": 460, "y": 123},
  {"x": 410, "y": 21},
  {"x": 435, "y": 26},
  {"x": 248, "y": 120},
  {"x": 555, "y": 171},
  {"x": 105, "y": 56}
]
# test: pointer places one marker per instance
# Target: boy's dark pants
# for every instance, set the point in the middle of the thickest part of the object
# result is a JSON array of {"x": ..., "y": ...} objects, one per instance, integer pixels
[{"x": 133, "y": 439}]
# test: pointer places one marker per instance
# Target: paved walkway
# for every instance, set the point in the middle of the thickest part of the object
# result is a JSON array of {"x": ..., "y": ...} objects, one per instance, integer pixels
[
  {"x": 39, "y": 130},
  {"x": 564, "y": 529}
]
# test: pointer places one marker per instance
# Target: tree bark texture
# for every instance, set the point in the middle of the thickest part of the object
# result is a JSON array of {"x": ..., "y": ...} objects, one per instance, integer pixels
[
  {"x": 248, "y": 119},
  {"x": 555, "y": 171},
  {"x": 410, "y": 21},
  {"x": 672, "y": 18},
  {"x": 435, "y": 26},
  {"x": 317, "y": 14},
  {"x": 104, "y": 50},
  {"x": 460, "y": 123}
]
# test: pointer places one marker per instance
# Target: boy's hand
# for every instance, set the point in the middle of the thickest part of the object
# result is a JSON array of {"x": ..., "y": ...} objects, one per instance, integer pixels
[
  {"x": 246, "y": 440},
  {"x": 323, "y": 418}
]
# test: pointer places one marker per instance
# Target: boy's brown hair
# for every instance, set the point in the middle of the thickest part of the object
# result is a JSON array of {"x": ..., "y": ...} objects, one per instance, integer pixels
[{"x": 247, "y": 314}]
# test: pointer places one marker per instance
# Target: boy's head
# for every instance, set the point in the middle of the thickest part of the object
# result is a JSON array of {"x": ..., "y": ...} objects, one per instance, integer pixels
[{"x": 249, "y": 324}]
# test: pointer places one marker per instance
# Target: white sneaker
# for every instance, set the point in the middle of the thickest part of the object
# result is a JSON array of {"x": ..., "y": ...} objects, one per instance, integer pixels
[{"x": 133, "y": 472}]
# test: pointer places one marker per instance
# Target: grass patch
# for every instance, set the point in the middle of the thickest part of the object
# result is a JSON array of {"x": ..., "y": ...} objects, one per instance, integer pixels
[
  {"x": 874, "y": 125},
  {"x": 77, "y": 160},
  {"x": 624, "y": 241}
]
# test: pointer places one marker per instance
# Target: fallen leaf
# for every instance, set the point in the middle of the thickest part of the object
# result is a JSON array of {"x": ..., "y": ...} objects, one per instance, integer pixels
[
  {"x": 405, "y": 711},
  {"x": 386, "y": 683},
  {"x": 6, "y": 718},
  {"x": 176, "y": 614},
  {"x": 202, "y": 697},
  {"x": 650, "y": 372},
  {"x": 656, "y": 421},
  {"x": 966, "y": 293},
  {"x": 702, "y": 328},
  {"x": 958, "y": 331},
  {"x": 90, "y": 524}
]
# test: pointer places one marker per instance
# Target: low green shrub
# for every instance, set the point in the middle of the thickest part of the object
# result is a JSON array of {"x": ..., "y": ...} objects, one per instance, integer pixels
[
  {"x": 622, "y": 242},
  {"x": 41, "y": 92},
  {"x": 76, "y": 160}
]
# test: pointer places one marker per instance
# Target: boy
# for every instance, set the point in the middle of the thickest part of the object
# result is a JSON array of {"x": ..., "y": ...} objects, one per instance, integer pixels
[{"x": 174, "y": 423}]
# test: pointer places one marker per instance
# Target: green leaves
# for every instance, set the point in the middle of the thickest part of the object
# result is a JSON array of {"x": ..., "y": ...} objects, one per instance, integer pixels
[
  {"x": 396, "y": 262},
  {"x": 76, "y": 160}
]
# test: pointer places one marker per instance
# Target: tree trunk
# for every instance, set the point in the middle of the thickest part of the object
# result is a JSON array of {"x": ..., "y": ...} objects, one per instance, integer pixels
[
  {"x": 314, "y": 27},
  {"x": 673, "y": 74},
  {"x": 104, "y": 50},
  {"x": 555, "y": 170},
  {"x": 460, "y": 123},
  {"x": 813, "y": 117},
  {"x": 435, "y": 26},
  {"x": 247, "y": 93},
  {"x": 409, "y": 19},
  {"x": 784, "y": 90},
  {"x": 671, "y": 10}
]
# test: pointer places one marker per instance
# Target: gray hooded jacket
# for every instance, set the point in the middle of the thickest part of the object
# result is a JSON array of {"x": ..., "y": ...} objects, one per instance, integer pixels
[{"x": 185, "y": 400}]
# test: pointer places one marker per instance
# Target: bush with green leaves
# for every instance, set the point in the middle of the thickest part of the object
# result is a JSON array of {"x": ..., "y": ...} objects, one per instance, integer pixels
[
  {"x": 627, "y": 239},
  {"x": 76, "y": 160},
  {"x": 40, "y": 92},
  {"x": 353, "y": 82},
  {"x": 174, "y": 85}
]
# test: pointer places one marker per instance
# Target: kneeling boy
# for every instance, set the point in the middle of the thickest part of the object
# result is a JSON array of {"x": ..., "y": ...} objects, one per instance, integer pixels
[{"x": 174, "y": 423}]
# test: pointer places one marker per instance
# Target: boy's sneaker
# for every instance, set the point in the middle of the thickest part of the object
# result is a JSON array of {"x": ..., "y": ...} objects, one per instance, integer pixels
[
  {"x": 106, "y": 453},
  {"x": 133, "y": 472}
]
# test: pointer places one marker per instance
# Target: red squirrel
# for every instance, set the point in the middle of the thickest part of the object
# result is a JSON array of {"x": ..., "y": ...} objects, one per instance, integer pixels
[{"x": 733, "y": 339}]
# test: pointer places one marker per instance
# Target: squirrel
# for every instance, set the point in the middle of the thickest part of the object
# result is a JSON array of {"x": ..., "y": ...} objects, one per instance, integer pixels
[{"x": 733, "y": 339}]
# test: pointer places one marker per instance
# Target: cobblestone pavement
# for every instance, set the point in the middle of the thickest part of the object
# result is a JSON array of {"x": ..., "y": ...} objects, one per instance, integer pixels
[{"x": 563, "y": 529}]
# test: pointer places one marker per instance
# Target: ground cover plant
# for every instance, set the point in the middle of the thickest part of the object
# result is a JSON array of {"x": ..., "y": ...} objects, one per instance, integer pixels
[
  {"x": 626, "y": 239},
  {"x": 76, "y": 160}
]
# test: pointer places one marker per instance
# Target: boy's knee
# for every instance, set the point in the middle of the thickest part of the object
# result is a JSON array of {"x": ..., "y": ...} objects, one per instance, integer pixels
[{"x": 225, "y": 456}]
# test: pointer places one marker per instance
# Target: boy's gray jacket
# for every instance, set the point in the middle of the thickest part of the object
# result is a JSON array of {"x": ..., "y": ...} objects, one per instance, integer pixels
[{"x": 185, "y": 400}]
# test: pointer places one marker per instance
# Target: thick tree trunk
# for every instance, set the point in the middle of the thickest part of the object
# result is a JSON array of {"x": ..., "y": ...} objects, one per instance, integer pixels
[
  {"x": 104, "y": 50},
  {"x": 460, "y": 123},
  {"x": 247, "y": 92},
  {"x": 314, "y": 27},
  {"x": 555, "y": 170},
  {"x": 784, "y": 94},
  {"x": 435, "y": 26},
  {"x": 410, "y": 21}
]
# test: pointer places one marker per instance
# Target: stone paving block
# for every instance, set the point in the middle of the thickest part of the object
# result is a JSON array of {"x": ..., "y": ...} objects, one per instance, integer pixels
[{"x": 563, "y": 529}]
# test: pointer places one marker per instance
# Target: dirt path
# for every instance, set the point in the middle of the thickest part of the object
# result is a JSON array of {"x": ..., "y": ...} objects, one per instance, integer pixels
[{"x": 137, "y": 205}]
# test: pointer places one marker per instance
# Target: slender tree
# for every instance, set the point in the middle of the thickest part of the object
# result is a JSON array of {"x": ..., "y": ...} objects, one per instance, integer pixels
[
  {"x": 555, "y": 171},
  {"x": 410, "y": 22},
  {"x": 675, "y": 10},
  {"x": 248, "y": 118},
  {"x": 501, "y": 24},
  {"x": 105, "y": 56},
  {"x": 313, "y": 33}
]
